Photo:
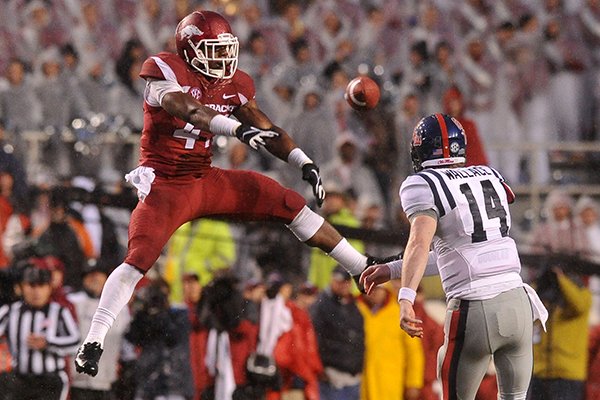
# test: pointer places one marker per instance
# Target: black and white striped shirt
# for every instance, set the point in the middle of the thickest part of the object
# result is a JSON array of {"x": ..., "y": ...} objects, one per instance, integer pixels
[{"x": 54, "y": 322}]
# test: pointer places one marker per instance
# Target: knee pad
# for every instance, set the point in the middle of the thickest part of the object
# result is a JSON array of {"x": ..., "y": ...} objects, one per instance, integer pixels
[{"x": 306, "y": 224}]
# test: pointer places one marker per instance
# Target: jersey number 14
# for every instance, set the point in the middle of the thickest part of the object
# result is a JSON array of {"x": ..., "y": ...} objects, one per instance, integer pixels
[{"x": 493, "y": 209}]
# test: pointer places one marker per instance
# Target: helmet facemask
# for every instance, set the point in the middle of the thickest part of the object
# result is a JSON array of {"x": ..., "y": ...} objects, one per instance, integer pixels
[{"x": 216, "y": 58}]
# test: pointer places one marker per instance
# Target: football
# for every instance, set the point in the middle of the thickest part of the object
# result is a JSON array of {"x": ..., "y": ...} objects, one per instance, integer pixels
[{"x": 362, "y": 93}]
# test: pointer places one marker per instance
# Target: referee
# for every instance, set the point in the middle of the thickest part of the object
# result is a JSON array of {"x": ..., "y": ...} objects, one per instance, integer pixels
[{"x": 40, "y": 334}]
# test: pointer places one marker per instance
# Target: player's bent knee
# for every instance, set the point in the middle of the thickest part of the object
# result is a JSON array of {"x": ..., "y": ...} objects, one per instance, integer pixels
[{"x": 306, "y": 224}]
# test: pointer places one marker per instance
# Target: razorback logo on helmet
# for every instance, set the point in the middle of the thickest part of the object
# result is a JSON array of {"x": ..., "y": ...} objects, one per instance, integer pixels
[{"x": 190, "y": 30}]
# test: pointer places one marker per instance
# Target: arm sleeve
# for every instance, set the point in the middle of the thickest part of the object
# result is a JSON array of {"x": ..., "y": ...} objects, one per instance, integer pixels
[
  {"x": 156, "y": 91},
  {"x": 416, "y": 196},
  {"x": 431, "y": 268}
]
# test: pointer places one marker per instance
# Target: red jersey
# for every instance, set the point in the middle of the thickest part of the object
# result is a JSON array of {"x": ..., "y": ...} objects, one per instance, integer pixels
[{"x": 166, "y": 145}]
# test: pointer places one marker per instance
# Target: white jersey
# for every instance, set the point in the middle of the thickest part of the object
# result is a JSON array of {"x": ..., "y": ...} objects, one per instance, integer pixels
[{"x": 476, "y": 258}]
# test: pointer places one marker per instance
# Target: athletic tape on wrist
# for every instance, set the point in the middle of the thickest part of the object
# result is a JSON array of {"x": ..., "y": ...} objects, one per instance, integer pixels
[
  {"x": 222, "y": 125},
  {"x": 298, "y": 158},
  {"x": 407, "y": 294}
]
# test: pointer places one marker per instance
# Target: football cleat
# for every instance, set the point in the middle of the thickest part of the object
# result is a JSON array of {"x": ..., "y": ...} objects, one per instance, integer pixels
[{"x": 87, "y": 358}]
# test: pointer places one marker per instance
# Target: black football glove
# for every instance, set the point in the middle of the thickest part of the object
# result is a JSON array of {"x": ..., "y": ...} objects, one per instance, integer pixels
[
  {"x": 254, "y": 137},
  {"x": 372, "y": 260},
  {"x": 310, "y": 173}
]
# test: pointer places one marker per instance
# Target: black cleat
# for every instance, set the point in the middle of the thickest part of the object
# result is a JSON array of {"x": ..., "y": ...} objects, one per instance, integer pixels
[{"x": 87, "y": 358}]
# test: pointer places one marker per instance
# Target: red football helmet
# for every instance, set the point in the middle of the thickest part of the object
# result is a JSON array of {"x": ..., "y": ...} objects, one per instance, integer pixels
[{"x": 205, "y": 41}]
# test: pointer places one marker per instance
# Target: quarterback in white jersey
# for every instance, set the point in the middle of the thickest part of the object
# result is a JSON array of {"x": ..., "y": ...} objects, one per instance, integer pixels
[{"x": 462, "y": 213}]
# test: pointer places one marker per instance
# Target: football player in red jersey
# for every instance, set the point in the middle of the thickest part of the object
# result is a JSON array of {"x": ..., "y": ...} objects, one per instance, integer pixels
[{"x": 189, "y": 98}]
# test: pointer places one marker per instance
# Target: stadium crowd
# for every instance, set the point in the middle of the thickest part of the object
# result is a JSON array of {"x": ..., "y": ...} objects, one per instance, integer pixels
[{"x": 508, "y": 70}]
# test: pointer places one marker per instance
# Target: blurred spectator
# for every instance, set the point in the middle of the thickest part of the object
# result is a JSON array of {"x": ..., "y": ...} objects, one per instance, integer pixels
[
  {"x": 314, "y": 130},
  {"x": 12, "y": 162},
  {"x": 95, "y": 84},
  {"x": 40, "y": 28},
  {"x": 566, "y": 59},
  {"x": 532, "y": 94},
  {"x": 446, "y": 74},
  {"x": 589, "y": 22},
  {"x": 296, "y": 352},
  {"x": 480, "y": 71},
  {"x": 371, "y": 33},
  {"x": 592, "y": 390},
  {"x": 394, "y": 362},
  {"x": 192, "y": 292},
  {"x": 151, "y": 18},
  {"x": 336, "y": 210},
  {"x": 256, "y": 60},
  {"x": 204, "y": 247},
  {"x": 559, "y": 234},
  {"x": 306, "y": 295},
  {"x": 162, "y": 333},
  {"x": 95, "y": 38},
  {"x": 302, "y": 68},
  {"x": 128, "y": 92},
  {"x": 341, "y": 337},
  {"x": 431, "y": 28},
  {"x": 53, "y": 84},
  {"x": 406, "y": 118},
  {"x": 454, "y": 106},
  {"x": 66, "y": 239},
  {"x": 19, "y": 106},
  {"x": 84, "y": 207},
  {"x": 84, "y": 387},
  {"x": 39, "y": 346},
  {"x": 349, "y": 173},
  {"x": 561, "y": 354},
  {"x": 416, "y": 76},
  {"x": 278, "y": 97},
  {"x": 56, "y": 115},
  {"x": 228, "y": 340},
  {"x": 6, "y": 211},
  {"x": 588, "y": 217},
  {"x": 507, "y": 123}
]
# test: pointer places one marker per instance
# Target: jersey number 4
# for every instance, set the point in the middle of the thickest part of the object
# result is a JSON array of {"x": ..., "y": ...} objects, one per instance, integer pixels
[
  {"x": 190, "y": 137},
  {"x": 493, "y": 209}
]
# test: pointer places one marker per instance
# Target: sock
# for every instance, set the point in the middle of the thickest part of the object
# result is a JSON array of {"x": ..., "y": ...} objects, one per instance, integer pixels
[
  {"x": 116, "y": 293},
  {"x": 348, "y": 257}
]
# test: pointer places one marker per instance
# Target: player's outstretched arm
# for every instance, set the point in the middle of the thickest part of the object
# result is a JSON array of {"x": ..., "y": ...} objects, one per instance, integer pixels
[
  {"x": 283, "y": 147},
  {"x": 200, "y": 117}
]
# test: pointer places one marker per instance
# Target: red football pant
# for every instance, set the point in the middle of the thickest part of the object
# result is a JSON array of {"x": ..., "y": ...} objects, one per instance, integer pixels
[{"x": 239, "y": 195}]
